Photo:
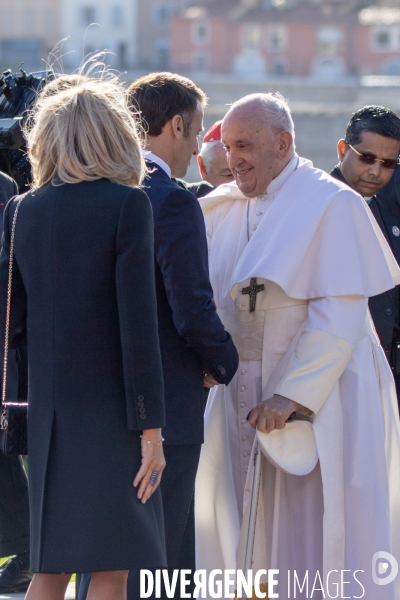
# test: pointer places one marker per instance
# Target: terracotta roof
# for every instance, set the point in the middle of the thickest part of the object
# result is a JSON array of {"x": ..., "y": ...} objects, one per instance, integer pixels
[{"x": 305, "y": 11}]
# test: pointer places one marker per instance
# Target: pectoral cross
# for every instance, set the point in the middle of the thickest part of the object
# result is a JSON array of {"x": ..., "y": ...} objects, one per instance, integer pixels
[{"x": 252, "y": 291}]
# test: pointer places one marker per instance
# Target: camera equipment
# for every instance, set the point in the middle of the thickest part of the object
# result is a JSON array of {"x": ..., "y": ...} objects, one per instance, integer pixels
[{"x": 17, "y": 95}]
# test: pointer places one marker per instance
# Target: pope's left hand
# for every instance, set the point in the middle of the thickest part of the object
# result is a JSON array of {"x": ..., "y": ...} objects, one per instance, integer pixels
[{"x": 272, "y": 413}]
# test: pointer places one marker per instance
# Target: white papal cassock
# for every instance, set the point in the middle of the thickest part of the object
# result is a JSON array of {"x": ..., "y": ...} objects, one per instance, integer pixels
[{"x": 316, "y": 248}]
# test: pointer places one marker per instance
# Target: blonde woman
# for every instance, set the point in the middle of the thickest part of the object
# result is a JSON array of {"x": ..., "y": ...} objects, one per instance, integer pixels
[{"x": 83, "y": 297}]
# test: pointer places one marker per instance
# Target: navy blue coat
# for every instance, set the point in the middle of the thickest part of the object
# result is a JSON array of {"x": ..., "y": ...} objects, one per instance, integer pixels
[
  {"x": 191, "y": 333},
  {"x": 84, "y": 297}
]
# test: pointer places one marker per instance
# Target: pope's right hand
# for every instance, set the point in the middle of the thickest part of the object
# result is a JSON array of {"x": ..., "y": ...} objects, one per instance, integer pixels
[{"x": 272, "y": 413}]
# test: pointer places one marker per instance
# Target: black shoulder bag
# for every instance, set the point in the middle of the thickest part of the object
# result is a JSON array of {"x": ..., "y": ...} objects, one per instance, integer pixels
[{"x": 13, "y": 420}]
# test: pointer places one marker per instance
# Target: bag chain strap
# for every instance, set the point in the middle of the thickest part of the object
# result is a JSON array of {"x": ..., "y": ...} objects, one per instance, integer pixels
[{"x": 3, "y": 419}]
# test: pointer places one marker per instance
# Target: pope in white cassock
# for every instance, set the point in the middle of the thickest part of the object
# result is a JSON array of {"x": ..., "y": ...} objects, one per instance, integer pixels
[{"x": 294, "y": 256}]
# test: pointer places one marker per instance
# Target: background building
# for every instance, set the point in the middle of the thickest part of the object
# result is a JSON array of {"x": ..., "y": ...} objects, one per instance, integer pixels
[
  {"x": 28, "y": 31},
  {"x": 154, "y": 32},
  {"x": 92, "y": 25},
  {"x": 326, "y": 40}
]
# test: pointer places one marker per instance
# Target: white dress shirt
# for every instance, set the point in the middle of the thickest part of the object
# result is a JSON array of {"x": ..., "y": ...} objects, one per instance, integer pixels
[{"x": 156, "y": 159}]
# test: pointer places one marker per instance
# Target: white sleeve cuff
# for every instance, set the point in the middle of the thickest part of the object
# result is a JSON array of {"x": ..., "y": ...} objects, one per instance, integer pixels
[{"x": 314, "y": 367}]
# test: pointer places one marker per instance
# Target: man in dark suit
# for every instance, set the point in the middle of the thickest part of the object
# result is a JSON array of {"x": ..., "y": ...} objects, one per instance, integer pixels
[
  {"x": 195, "y": 347},
  {"x": 15, "y": 574},
  {"x": 196, "y": 350},
  {"x": 368, "y": 157}
]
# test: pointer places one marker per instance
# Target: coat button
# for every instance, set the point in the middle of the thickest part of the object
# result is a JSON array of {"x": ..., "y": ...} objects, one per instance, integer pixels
[
  {"x": 140, "y": 404},
  {"x": 142, "y": 416},
  {"x": 395, "y": 230},
  {"x": 222, "y": 370},
  {"x": 388, "y": 311},
  {"x": 142, "y": 410},
  {"x": 141, "y": 398}
]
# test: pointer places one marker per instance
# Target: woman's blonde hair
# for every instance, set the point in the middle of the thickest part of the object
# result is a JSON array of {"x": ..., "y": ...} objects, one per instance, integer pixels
[{"x": 82, "y": 130}]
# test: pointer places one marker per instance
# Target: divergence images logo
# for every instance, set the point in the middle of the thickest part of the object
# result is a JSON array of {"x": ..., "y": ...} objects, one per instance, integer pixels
[{"x": 381, "y": 574}]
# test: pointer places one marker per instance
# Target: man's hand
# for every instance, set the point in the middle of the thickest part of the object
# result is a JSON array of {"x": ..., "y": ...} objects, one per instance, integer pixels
[
  {"x": 209, "y": 381},
  {"x": 272, "y": 413}
]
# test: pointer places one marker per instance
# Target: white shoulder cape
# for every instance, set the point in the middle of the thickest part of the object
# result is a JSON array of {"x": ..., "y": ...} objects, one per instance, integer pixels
[{"x": 318, "y": 239}]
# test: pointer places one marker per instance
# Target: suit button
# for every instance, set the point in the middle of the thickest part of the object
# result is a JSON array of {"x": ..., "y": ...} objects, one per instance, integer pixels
[
  {"x": 141, "y": 398},
  {"x": 142, "y": 410},
  {"x": 140, "y": 404},
  {"x": 143, "y": 416},
  {"x": 222, "y": 370},
  {"x": 388, "y": 311}
]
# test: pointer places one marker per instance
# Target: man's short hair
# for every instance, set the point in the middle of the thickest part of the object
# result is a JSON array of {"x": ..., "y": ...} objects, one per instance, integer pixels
[
  {"x": 160, "y": 96},
  {"x": 376, "y": 119}
]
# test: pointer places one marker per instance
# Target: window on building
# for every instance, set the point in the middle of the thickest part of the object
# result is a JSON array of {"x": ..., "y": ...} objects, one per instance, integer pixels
[
  {"x": 123, "y": 55},
  {"x": 329, "y": 40},
  {"x": 277, "y": 38},
  {"x": 50, "y": 20},
  {"x": 29, "y": 20},
  {"x": 117, "y": 16},
  {"x": 391, "y": 68},
  {"x": 162, "y": 50},
  {"x": 8, "y": 21},
  {"x": 200, "y": 61},
  {"x": 384, "y": 38},
  {"x": 88, "y": 15},
  {"x": 280, "y": 66},
  {"x": 162, "y": 12},
  {"x": 200, "y": 32},
  {"x": 251, "y": 37},
  {"x": 328, "y": 68}
]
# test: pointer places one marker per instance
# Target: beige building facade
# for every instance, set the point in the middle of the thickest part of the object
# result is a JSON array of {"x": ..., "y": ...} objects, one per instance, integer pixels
[{"x": 29, "y": 29}]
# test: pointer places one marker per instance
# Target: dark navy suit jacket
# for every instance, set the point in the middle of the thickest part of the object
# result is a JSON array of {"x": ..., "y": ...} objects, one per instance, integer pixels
[{"x": 191, "y": 334}]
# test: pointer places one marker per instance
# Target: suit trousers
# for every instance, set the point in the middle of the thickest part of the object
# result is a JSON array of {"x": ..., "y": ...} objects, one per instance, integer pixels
[
  {"x": 14, "y": 506},
  {"x": 177, "y": 491}
]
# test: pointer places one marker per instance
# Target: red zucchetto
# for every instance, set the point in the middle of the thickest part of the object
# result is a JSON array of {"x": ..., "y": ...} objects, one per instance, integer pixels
[{"x": 214, "y": 133}]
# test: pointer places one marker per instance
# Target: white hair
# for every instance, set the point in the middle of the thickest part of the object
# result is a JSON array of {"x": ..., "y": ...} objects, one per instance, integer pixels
[
  {"x": 207, "y": 152},
  {"x": 277, "y": 112}
]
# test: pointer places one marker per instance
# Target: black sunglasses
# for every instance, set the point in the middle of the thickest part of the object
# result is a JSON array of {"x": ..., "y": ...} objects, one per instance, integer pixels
[{"x": 370, "y": 159}]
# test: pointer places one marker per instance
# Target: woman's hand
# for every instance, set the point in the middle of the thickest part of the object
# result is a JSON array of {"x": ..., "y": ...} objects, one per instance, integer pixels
[{"x": 153, "y": 464}]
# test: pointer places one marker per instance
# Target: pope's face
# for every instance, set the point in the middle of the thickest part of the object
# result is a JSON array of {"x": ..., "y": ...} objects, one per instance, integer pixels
[
  {"x": 368, "y": 179},
  {"x": 253, "y": 152}
]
